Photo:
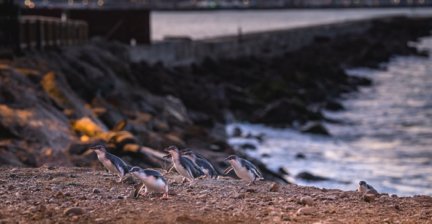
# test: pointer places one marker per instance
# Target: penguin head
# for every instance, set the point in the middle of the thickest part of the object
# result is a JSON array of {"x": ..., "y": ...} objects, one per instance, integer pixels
[
  {"x": 189, "y": 152},
  {"x": 98, "y": 148},
  {"x": 231, "y": 158},
  {"x": 362, "y": 183},
  {"x": 172, "y": 150},
  {"x": 135, "y": 169}
]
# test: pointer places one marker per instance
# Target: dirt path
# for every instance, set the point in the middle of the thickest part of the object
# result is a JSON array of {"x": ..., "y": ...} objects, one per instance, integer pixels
[{"x": 44, "y": 195}]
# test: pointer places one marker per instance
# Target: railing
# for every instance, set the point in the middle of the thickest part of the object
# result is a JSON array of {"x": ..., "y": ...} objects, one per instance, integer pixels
[{"x": 38, "y": 32}]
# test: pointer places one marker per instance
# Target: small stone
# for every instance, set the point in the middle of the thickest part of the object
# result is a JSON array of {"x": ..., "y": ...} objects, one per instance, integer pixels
[
  {"x": 250, "y": 190},
  {"x": 239, "y": 195},
  {"x": 306, "y": 200},
  {"x": 59, "y": 194},
  {"x": 96, "y": 191},
  {"x": 368, "y": 197},
  {"x": 274, "y": 187},
  {"x": 306, "y": 211},
  {"x": 74, "y": 218},
  {"x": 74, "y": 211},
  {"x": 120, "y": 197},
  {"x": 394, "y": 196}
]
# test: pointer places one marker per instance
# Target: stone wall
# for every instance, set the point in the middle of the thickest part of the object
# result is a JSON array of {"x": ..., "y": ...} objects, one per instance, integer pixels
[{"x": 184, "y": 51}]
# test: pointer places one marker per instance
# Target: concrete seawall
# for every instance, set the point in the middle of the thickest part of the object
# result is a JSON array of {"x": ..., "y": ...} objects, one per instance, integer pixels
[{"x": 269, "y": 43}]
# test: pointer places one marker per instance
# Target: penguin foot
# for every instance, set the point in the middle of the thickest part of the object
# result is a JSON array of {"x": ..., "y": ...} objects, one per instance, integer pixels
[{"x": 165, "y": 196}]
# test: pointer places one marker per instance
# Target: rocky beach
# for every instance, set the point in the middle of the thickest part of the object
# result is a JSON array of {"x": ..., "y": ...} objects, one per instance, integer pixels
[
  {"x": 84, "y": 195},
  {"x": 55, "y": 104}
]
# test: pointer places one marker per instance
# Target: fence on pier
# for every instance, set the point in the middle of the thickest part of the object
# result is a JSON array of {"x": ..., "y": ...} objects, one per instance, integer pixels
[{"x": 39, "y": 32}]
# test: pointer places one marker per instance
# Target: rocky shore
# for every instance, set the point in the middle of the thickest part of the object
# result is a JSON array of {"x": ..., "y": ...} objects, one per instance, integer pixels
[
  {"x": 54, "y": 104},
  {"x": 84, "y": 195}
]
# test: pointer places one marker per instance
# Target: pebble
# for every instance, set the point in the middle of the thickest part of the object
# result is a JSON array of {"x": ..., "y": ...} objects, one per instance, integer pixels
[
  {"x": 306, "y": 200},
  {"x": 274, "y": 187},
  {"x": 239, "y": 195},
  {"x": 96, "y": 191},
  {"x": 250, "y": 190},
  {"x": 74, "y": 211},
  {"x": 306, "y": 211}
]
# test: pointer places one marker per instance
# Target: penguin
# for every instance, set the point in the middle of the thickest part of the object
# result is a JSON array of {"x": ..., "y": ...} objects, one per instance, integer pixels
[
  {"x": 365, "y": 188},
  {"x": 244, "y": 169},
  {"x": 184, "y": 165},
  {"x": 111, "y": 162},
  {"x": 152, "y": 180},
  {"x": 203, "y": 163}
]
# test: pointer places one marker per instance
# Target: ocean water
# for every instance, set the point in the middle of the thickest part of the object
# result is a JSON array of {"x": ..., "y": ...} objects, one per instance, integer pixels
[
  {"x": 205, "y": 24},
  {"x": 385, "y": 136}
]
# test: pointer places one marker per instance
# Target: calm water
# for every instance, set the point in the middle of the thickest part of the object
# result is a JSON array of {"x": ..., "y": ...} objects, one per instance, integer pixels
[
  {"x": 218, "y": 23},
  {"x": 386, "y": 138}
]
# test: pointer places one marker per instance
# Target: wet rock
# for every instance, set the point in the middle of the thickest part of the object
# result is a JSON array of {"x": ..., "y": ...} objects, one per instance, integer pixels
[
  {"x": 310, "y": 177},
  {"x": 306, "y": 200},
  {"x": 285, "y": 111},
  {"x": 300, "y": 156},
  {"x": 74, "y": 211},
  {"x": 315, "y": 128},
  {"x": 237, "y": 132},
  {"x": 265, "y": 155},
  {"x": 248, "y": 146},
  {"x": 333, "y": 106}
]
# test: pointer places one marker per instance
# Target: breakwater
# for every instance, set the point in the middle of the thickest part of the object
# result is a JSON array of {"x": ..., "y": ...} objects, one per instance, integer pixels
[{"x": 183, "y": 51}]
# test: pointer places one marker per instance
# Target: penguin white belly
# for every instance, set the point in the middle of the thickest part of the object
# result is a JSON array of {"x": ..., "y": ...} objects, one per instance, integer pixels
[
  {"x": 181, "y": 170},
  {"x": 362, "y": 189},
  {"x": 243, "y": 173},
  {"x": 110, "y": 166},
  {"x": 154, "y": 185}
]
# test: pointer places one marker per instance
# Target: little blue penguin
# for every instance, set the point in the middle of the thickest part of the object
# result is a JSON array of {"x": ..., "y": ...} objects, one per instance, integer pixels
[
  {"x": 152, "y": 180},
  {"x": 203, "y": 163},
  {"x": 365, "y": 188},
  {"x": 244, "y": 169},
  {"x": 111, "y": 162},
  {"x": 184, "y": 165}
]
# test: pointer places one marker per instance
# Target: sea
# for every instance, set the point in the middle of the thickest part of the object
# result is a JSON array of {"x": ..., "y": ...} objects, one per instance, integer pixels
[{"x": 385, "y": 133}]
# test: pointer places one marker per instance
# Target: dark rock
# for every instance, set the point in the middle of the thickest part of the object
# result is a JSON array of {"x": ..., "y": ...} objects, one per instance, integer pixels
[
  {"x": 300, "y": 156},
  {"x": 285, "y": 112},
  {"x": 248, "y": 146},
  {"x": 310, "y": 177},
  {"x": 334, "y": 106},
  {"x": 265, "y": 155},
  {"x": 237, "y": 132}
]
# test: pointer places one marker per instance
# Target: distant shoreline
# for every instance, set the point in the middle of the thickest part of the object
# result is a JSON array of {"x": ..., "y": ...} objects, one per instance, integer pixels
[{"x": 283, "y": 8}]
